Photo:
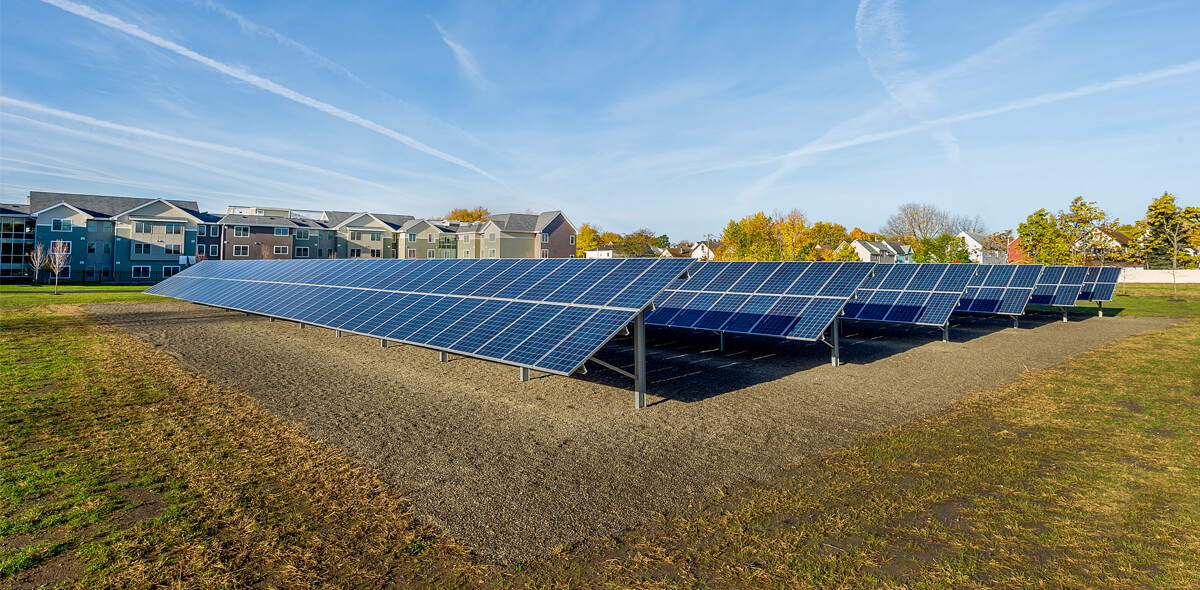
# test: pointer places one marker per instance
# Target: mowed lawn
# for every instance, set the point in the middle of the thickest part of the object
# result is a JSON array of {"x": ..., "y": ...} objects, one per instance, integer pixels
[{"x": 121, "y": 468}]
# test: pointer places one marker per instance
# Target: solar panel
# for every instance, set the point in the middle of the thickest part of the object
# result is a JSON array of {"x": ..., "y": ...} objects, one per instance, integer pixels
[
  {"x": 551, "y": 315},
  {"x": 1100, "y": 283},
  {"x": 795, "y": 300},
  {"x": 1059, "y": 286},
  {"x": 1002, "y": 289},
  {"x": 922, "y": 294}
]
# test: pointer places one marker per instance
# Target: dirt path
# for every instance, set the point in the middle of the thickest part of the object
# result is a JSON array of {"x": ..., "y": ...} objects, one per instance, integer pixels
[{"x": 517, "y": 469}]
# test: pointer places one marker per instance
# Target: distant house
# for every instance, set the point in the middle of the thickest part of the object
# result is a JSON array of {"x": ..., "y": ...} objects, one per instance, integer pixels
[
  {"x": 984, "y": 249},
  {"x": 706, "y": 250},
  {"x": 1104, "y": 244},
  {"x": 883, "y": 251},
  {"x": 1016, "y": 253},
  {"x": 675, "y": 252},
  {"x": 606, "y": 251}
]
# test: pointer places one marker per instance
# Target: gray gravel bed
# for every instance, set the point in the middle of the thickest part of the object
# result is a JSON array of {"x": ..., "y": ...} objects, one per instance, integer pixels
[{"x": 516, "y": 469}]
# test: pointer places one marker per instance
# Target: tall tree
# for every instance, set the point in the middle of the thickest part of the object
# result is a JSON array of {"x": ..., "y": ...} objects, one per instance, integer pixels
[
  {"x": 827, "y": 234},
  {"x": 846, "y": 253},
  {"x": 479, "y": 213},
  {"x": 914, "y": 222},
  {"x": 942, "y": 248},
  {"x": 792, "y": 234},
  {"x": 1042, "y": 239},
  {"x": 638, "y": 244},
  {"x": 1077, "y": 224},
  {"x": 1170, "y": 229},
  {"x": 752, "y": 238},
  {"x": 59, "y": 260},
  {"x": 587, "y": 239},
  {"x": 38, "y": 257}
]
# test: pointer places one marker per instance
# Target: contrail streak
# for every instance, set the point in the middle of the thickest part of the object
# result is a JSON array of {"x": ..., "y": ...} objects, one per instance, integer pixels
[{"x": 260, "y": 82}]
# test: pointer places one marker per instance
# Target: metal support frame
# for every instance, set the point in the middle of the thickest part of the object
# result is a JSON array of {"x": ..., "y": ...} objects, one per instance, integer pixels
[
  {"x": 524, "y": 373},
  {"x": 1100, "y": 307},
  {"x": 247, "y": 313},
  {"x": 443, "y": 356},
  {"x": 721, "y": 342},
  {"x": 1016, "y": 321},
  {"x": 382, "y": 343},
  {"x": 338, "y": 332},
  {"x": 301, "y": 325},
  {"x": 639, "y": 360},
  {"x": 946, "y": 332},
  {"x": 835, "y": 331},
  {"x": 1064, "y": 310}
]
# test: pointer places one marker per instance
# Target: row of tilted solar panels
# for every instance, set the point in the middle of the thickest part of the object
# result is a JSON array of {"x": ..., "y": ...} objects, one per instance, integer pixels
[{"x": 722, "y": 296}]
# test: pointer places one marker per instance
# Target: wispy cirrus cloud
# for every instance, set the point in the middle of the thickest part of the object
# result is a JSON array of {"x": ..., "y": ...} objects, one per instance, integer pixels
[
  {"x": 466, "y": 60},
  {"x": 115, "y": 23}
]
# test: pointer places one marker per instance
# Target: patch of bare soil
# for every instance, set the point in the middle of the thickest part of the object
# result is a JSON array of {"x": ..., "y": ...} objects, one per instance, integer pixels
[
  {"x": 517, "y": 469},
  {"x": 60, "y": 568}
]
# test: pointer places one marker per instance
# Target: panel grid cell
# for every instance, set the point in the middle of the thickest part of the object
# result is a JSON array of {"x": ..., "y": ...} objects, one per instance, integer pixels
[{"x": 912, "y": 293}]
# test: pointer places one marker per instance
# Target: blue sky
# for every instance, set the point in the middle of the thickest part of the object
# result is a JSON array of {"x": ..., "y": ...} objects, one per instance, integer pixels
[{"x": 676, "y": 116}]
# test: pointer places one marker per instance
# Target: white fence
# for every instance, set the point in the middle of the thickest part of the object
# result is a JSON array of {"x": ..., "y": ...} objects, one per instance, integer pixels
[{"x": 1141, "y": 275}]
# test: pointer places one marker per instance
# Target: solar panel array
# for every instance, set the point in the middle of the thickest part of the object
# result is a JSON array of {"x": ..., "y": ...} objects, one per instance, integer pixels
[
  {"x": 922, "y": 294},
  {"x": 796, "y": 300},
  {"x": 1100, "y": 283},
  {"x": 1000, "y": 288},
  {"x": 1059, "y": 285},
  {"x": 549, "y": 314}
]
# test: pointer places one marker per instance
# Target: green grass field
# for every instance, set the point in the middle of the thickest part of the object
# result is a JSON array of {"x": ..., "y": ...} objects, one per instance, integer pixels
[{"x": 121, "y": 468}]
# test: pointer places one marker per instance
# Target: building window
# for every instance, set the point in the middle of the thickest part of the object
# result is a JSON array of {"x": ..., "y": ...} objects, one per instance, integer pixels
[
  {"x": 412, "y": 237},
  {"x": 301, "y": 252},
  {"x": 376, "y": 253},
  {"x": 170, "y": 271},
  {"x": 412, "y": 253},
  {"x": 320, "y": 252},
  {"x": 241, "y": 231},
  {"x": 60, "y": 246},
  {"x": 467, "y": 238},
  {"x": 466, "y": 253},
  {"x": 545, "y": 238},
  {"x": 545, "y": 252},
  {"x": 429, "y": 238},
  {"x": 108, "y": 227},
  {"x": 281, "y": 249},
  {"x": 140, "y": 248},
  {"x": 376, "y": 236},
  {"x": 356, "y": 252},
  {"x": 301, "y": 234},
  {"x": 213, "y": 250},
  {"x": 282, "y": 231},
  {"x": 141, "y": 272},
  {"x": 431, "y": 253},
  {"x": 107, "y": 248},
  {"x": 492, "y": 237},
  {"x": 65, "y": 273},
  {"x": 571, "y": 238},
  {"x": 142, "y": 227},
  {"x": 492, "y": 253},
  {"x": 241, "y": 250},
  {"x": 173, "y": 228},
  {"x": 91, "y": 247},
  {"x": 60, "y": 225},
  {"x": 91, "y": 226},
  {"x": 89, "y": 273},
  {"x": 201, "y": 230},
  {"x": 356, "y": 235},
  {"x": 174, "y": 249}
]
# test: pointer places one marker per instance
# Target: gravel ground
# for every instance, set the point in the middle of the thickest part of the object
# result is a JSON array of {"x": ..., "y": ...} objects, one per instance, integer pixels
[{"x": 517, "y": 469}]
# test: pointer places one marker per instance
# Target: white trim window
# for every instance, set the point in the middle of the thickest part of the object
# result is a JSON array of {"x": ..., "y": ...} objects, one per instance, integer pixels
[
  {"x": 170, "y": 271},
  {"x": 545, "y": 238},
  {"x": 65, "y": 273},
  {"x": 412, "y": 252},
  {"x": 492, "y": 238},
  {"x": 283, "y": 231},
  {"x": 356, "y": 252},
  {"x": 141, "y": 248},
  {"x": 356, "y": 235},
  {"x": 241, "y": 250},
  {"x": 241, "y": 231},
  {"x": 173, "y": 249},
  {"x": 63, "y": 246},
  {"x": 466, "y": 253},
  {"x": 140, "y": 272},
  {"x": 376, "y": 236},
  {"x": 173, "y": 228},
  {"x": 60, "y": 225},
  {"x": 466, "y": 238},
  {"x": 143, "y": 227},
  {"x": 213, "y": 250},
  {"x": 571, "y": 239},
  {"x": 545, "y": 253},
  {"x": 301, "y": 252},
  {"x": 281, "y": 250},
  {"x": 302, "y": 234},
  {"x": 431, "y": 253},
  {"x": 492, "y": 253},
  {"x": 412, "y": 237},
  {"x": 429, "y": 238}
]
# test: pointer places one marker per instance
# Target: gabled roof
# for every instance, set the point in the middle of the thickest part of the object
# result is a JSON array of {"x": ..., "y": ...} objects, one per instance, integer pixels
[
  {"x": 396, "y": 221},
  {"x": 100, "y": 206},
  {"x": 516, "y": 222},
  {"x": 14, "y": 210},
  {"x": 63, "y": 204},
  {"x": 163, "y": 201},
  {"x": 546, "y": 217},
  {"x": 335, "y": 218},
  {"x": 259, "y": 220},
  {"x": 1121, "y": 238}
]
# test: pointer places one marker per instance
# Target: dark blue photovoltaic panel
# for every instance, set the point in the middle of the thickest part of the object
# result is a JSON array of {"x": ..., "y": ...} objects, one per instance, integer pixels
[
  {"x": 1059, "y": 286},
  {"x": 1100, "y": 283},
  {"x": 911, "y": 293},
  {"x": 527, "y": 312},
  {"x": 1000, "y": 289},
  {"x": 749, "y": 297}
]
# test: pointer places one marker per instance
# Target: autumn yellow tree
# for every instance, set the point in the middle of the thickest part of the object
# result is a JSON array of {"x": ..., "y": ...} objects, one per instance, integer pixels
[
  {"x": 479, "y": 213},
  {"x": 792, "y": 235}
]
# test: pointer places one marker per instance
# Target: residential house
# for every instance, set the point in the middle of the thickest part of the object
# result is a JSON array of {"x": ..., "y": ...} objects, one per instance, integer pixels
[
  {"x": 606, "y": 251},
  {"x": 984, "y": 249},
  {"x": 1016, "y": 253},
  {"x": 370, "y": 235},
  {"x": 16, "y": 240},
  {"x": 1104, "y": 245},
  {"x": 705, "y": 250},
  {"x": 882, "y": 251}
]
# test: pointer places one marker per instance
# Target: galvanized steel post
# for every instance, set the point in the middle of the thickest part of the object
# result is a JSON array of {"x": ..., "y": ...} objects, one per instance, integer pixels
[{"x": 639, "y": 360}]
